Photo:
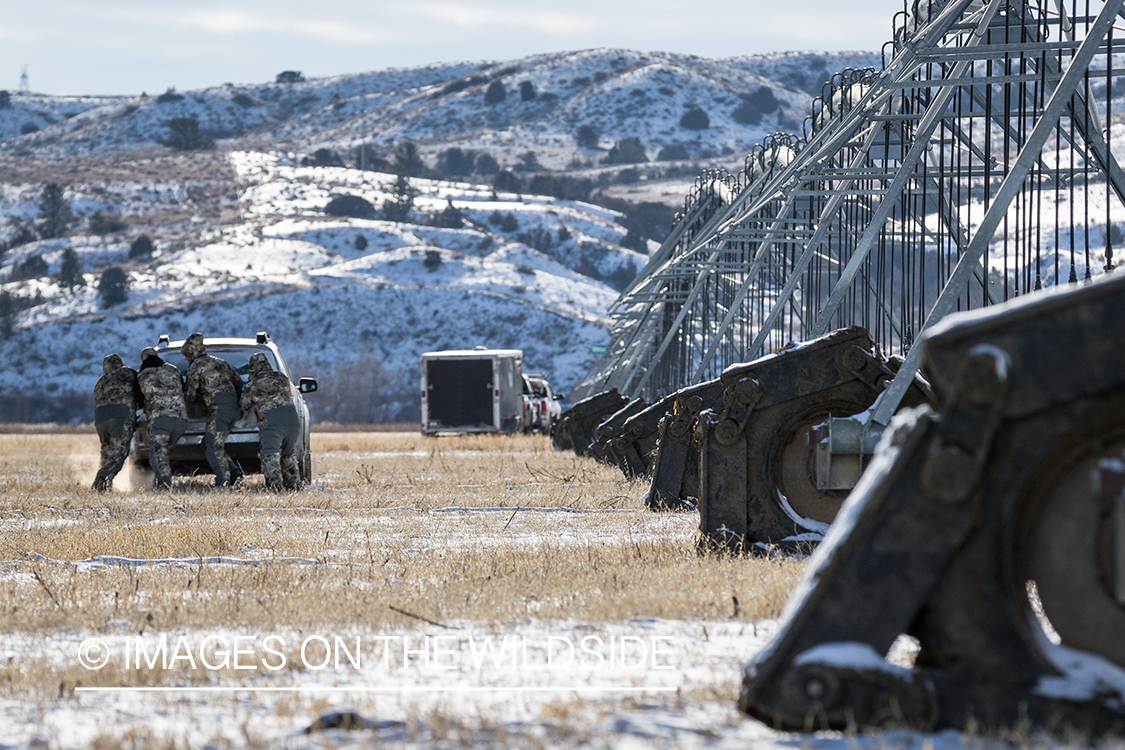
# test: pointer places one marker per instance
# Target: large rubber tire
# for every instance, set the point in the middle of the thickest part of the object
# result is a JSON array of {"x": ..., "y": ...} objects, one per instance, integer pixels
[
  {"x": 1064, "y": 540},
  {"x": 306, "y": 468},
  {"x": 776, "y": 440}
]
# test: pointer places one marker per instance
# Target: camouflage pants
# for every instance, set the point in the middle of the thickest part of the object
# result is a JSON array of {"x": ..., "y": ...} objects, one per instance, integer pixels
[
  {"x": 163, "y": 434},
  {"x": 279, "y": 433},
  {"x": 282, "y": 472},
  {"x": 219, "y": 424},
  {"x": 114, "y": 424}
]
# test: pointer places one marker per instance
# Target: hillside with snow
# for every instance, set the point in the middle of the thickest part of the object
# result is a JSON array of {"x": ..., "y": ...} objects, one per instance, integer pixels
[
  {"x": 546, "y": 98},
  {"x": 242, "y": 240}
]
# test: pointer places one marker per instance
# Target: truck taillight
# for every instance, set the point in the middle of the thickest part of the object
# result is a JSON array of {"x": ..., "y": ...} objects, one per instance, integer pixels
[
  {"x": 542, "y": 407},
  {"x": 423, "y": 394}
]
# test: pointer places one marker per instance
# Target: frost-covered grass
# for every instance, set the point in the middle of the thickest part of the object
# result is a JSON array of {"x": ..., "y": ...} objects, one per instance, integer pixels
[{"x": 452, "y": 571}]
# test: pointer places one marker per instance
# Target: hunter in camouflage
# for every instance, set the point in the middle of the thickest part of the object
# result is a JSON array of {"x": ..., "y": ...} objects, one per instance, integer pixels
[
  {"x": 116, "y": 399},
  {"x": 270, "y": 394},
  {"x": 162, "y": 387},
  {"x": 216, "y": 384}
]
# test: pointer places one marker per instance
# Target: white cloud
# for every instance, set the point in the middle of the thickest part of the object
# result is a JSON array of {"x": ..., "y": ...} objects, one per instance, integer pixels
[
  {"x": 465, "y": 16},
  {"x": 241, "y": 22}
]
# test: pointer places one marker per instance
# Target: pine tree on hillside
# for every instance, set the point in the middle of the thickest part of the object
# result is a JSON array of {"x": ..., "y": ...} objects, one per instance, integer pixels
[
  {"x": 398, "y": 207},
  {"x": 7, "y": 314},
  {"x": 70, "y": 272},
  {"x": 113, "y": 288},
  {"x": 408, "y": 162},
  {"x": 54, "y": 212}
]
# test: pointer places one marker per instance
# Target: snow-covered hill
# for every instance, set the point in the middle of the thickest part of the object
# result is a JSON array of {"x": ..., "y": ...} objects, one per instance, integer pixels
[
  {"x": 547, "y": 97},
  {"x": 286, "y": 267}
]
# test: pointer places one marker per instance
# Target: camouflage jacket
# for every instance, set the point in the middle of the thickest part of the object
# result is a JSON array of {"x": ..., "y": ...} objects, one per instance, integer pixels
[
  {"x": 208, "y": 375},
  {"x": 267, "y": 388},
  {"x": 163, "y": 392},
  {"x": 117, "y": 385}
]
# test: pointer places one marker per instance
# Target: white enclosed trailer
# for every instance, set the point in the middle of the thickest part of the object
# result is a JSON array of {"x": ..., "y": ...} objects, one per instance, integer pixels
[{"x": 472, "y": 390}]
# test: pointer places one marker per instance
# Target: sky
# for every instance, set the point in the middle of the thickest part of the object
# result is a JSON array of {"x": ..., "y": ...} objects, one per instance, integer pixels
[{"x": 130, "y": 46}]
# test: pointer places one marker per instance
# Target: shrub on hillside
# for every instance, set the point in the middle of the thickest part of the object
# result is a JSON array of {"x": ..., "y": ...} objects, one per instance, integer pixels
[
  {"x": 141, "y": 247},
  {"x": 243, "y": 101},
  {"x": 32, "y": 267},
  {"x": 169, "y": 96},
  {"x": 635, "y": 237},
  {"x": 538, "y": 238},
  {"x": 102, "y": 224},
  {"x": 527, "y": 91},
  {"x": 626, "y": 151},
  {"x": 113, "y": 288},
  {"x": 22, "y": 236},
  {"x": 453, "y": 162},
  {"x": 289, "y": 76},
  {"x": 695, "y": 119},
  {"x": 673, "y": 152},
  {"x": 507, "y": 182},
  {"x": 5, "y": 100},
  {"x": 529, "y": 162},
  {"x": 588, "y": 136},
  {"x": 496, "y": 93},
  {"x": 360, "y": 242},
  {"x": 763, "y": 99},
  {"x": 486, "y": 164},
  {"x": 449, "y": 218},
  {"x": 28, "y": 128},
  {"x": 506, "y": 221},
  {"x": 369, "y": 159},
  {"x": 350, "y": 206},
  {"x": 323, "y": 157},
  {"x": 753, "y": 106},
  {"x": 184, "y": 135},
  {"x": 432, "y": 261}
]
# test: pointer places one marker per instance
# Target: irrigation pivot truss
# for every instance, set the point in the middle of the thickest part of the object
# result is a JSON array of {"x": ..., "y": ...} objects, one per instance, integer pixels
[{"x": 976, "y": 166}]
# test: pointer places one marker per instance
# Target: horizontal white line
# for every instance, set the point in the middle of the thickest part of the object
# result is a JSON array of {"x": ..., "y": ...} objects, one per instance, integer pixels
[{"x": 370, "y": 689}]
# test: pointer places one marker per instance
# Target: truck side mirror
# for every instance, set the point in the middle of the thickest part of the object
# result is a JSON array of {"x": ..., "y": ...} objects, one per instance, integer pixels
[
  {"x": 558, "y": 397},
  {"x": 307, "y": 385}
]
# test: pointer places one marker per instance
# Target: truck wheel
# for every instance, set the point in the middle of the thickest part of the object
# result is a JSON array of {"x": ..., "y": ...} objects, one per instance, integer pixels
[{"x": 306, "y": 468}]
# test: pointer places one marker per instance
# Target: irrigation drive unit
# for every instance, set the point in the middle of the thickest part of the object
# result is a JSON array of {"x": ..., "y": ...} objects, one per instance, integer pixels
[{"x": 474, "y": 390}]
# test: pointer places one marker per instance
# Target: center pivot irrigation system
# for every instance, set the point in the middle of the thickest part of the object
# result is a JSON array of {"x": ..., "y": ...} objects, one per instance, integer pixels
[{"x": 757, "y": 362}]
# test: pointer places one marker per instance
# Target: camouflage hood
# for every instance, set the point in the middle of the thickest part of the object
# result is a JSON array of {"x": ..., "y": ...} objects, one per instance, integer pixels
[
  {"x": 193, "y": 347},
  {"x": 259, "y": 364},
  {"x": 111, "y": 364},
  {"x": 149, "y": 358}
]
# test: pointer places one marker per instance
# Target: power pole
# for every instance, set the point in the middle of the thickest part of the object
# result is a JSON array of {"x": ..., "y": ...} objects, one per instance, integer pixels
[{"x": 25, "y": 87}]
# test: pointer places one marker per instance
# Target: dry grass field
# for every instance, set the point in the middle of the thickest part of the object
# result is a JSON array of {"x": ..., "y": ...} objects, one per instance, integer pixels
[
  {"x": 402, "y": 534},
  {"x": 382, "y": 586}
]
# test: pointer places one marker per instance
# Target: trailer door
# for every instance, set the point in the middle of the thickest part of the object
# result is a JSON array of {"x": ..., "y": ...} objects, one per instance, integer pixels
[{"x": 460, "y": 393}]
